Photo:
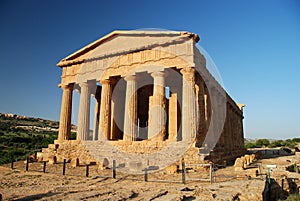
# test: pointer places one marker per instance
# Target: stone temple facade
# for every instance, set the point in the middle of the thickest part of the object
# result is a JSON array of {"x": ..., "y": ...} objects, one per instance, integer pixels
[{"x": 155, "y": 103}]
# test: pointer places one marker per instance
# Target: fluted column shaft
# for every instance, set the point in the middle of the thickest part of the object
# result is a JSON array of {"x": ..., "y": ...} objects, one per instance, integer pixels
[
  {"x": 200, "y": 105},
  {"x": 241, "y": 131},
  {"x": 231, "y": 127},
  {"x": 188, "y": 104},
  {"x": 97, "y": 113},
  {"x": 65, "y": 113},
  {"x": 105, "y": 110},
  {"x": 157, "y": 113},
  {"x": 83, "y": 129},
  {"x": 130, "y": 122}
]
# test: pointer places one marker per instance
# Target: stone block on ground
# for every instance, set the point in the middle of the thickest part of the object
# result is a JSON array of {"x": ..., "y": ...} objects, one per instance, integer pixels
[
  {"x": 252, "y": 158},
  {"x": 74, "y": 162},
  {"x": 239, "y": 164},
  {"x": 172, "y": 169},
  {"x": 247, "y": 159},
  {"x": 52, "y": 159},
  {"x": 39, "y": 157},
  {"x": 53, "y": 146}
]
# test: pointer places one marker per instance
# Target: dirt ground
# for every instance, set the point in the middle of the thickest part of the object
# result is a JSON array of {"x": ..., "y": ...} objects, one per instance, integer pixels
[{"x": 17, "y": 184}]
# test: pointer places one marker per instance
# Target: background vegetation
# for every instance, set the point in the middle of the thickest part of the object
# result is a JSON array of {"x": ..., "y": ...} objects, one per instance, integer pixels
[
  {"x": 290, "y": 143},
  {"x": 20, "y": 138}
]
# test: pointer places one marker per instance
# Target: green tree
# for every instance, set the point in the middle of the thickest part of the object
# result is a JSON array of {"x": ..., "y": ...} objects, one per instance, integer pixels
[
  {"x": 262, "y": 142},
  {"x": 250, "y": 145}
]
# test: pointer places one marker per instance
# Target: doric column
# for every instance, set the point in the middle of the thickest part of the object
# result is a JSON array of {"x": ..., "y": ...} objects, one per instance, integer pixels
[
  {"x": 105, "y": 110},
  {"x": 173, "y": 118},
  {"x": 65, "y": 112},
  {"x": 113, "y": 112},
  {"x": 226, "y": 127},
  {"x": 201, "y": 116},
  {"x": 130, "y": 122},
  {"x": 157, "y": 112},
  {"x": 207, "y": 105},
  {"x": 231, "y": 127},
  {"x": 241, "y": 130},
  {"x": 97, "y": 113},
  {"x": 188, "y": 104},
  {"x": 83, "y": 129},
  {"x": 237, "y": 137}
]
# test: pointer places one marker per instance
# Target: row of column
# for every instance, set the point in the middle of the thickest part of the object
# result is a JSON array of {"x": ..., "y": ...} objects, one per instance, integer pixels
[
  {"x": 157, "y": 111},
  {"x": 232, "y": 135}
]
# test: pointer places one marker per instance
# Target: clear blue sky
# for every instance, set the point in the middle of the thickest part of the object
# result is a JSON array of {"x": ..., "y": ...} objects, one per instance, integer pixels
[{"x": 255, "y": 45}]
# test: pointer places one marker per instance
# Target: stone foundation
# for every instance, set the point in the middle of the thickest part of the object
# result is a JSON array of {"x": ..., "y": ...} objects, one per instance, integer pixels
[
  {"x": 75, "y": 151},
  {"x": 66, "y": 149}
]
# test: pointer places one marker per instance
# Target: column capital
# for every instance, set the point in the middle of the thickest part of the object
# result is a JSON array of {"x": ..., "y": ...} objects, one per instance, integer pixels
[
  {"x": 83, "y": 84},
  {"x": 158, "y": 74},
  {"x": 66, "y": 86},
  {"x": 187, "y": 70},
  {"x": 89, "y": 83},
  {"x": 188, "y": 73},
  {"x": 130, "y": 77},
  {"x": 106, "y": 81}
]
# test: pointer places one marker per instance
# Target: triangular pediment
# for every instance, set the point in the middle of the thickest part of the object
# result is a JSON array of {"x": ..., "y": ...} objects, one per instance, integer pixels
[{"x": 125, "y": 41}]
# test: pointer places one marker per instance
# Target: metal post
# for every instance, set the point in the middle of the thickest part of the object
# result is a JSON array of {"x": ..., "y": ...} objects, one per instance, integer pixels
[
  {"x": 269, "y": 182},
  {"x": 44, "y": 167},
  {"x": 146, "y": 174},
  {"x": 87, "y": 171},
  {"x": 114, "y": 169},
  {"x": 146, "y": 171},
  {"x": 64, "y": 167},
  {"x": 210, "y": 173},
  {"x": 27, "y": 163},
  {"x": 183, "y": 172},
  {"x": 12, "y": 164}
]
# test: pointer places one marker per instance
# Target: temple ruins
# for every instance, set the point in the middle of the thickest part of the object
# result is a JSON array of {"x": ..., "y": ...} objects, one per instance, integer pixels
[{"x": 155, "y": 103}]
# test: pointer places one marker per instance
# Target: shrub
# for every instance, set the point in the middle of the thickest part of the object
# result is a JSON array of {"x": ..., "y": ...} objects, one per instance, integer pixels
[
  {"x": 262, "y": 143},
  {"x": 296, "y": 139},
  {"x": 292, "y": 197}
]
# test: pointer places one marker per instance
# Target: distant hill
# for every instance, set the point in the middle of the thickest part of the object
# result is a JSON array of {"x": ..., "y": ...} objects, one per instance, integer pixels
[{"x": 21, "y": 136}]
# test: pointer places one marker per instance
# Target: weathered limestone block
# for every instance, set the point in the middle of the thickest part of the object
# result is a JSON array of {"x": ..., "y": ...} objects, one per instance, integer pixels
[
  {"x": 247, "y": 159},
  {"x": 39, "y": 156},
  {"x": 53, "y": 146},
  {"x": 172, "y": 169},
  {"x": 60, "y": 158},
  {"x": 33, "y": 158},
  {"x": 239, "y": 164},
  {"x": 52, "y": 159},
  {"x": 244, "y": 162},
  {"x": 74, "y": 162},
  {"x": 252, "y": 158},
  {"x": 102, "y": 165}
]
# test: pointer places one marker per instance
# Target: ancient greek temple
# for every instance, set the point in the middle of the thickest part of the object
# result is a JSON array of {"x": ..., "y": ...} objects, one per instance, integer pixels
[{"x": 153, "y": 93}]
